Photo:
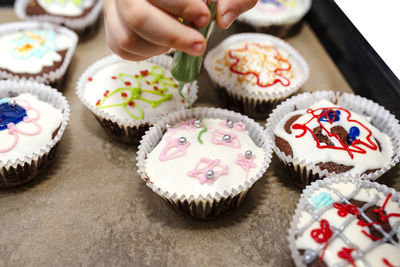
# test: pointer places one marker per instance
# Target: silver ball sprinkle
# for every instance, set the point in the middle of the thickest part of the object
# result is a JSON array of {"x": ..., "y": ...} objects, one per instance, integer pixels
[
  {"x": 182, "y": 140},
  {"x": 167, "y": 126},
  {"x": 197, "y": 123},
  {"x": 210, "y": 174},
  {"x": 227, "y": 138},
  {"x": 229, "y": 123},
  {"x": 309, "y": 256},
  {"x": 248, "y": 154},
  {"x": 12, "y": 102}
]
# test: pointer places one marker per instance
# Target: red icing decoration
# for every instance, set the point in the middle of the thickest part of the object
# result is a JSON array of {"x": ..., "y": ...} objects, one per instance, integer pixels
[
  {"x": 128, "y": 83},
  {"x": 148, "y": 83},
  {"x": 276, "y": 71},
  {"x": 370, "y": 236},
  {"x": 144, "y": 72},
  {"x": 98, "y": 102},
  {"x": 344, "y": 209},
  {"x": 106, "y": 92},
  {"x": 183, "y": 101},
  {"x": 322, "y": 235},
  {"x": 90, "y": 79},
  {"x": 363, "y": 224},
  {"x": 114, "y": 77},
  {"x": 124, "y": 95},
  {"x": 132, "y": 104},
  {"x": 345, "y": 253},
  {"x": 354, "y": 147},
  {"x": 387, "y": 263},
  {"x": 383, "y": 217},
  {"x": 155, "y": 88}
]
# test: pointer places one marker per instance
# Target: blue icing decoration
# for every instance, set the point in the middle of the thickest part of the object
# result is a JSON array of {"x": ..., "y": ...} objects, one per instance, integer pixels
[
  {"x": 334, "y": 115},
  {"x": 35, "y": 43},
  {"x": 322, "y": 199},
  {"x": 353, "y": 134},
  {"x": 9, "y": 113},
  {"x": 4, "y": 100}
]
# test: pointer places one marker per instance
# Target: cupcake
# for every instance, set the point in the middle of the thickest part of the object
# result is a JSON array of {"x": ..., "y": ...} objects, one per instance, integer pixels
[
  {"x": 203, "y": 162},
  {"x": 277, "y": 17},
  {"x": 325, "y": 133},
  {"x": 35, "y": 51},
  {"x": 127, "y": 96},
  {"x": 253, "y": 72},
  {"x": 82, "y": 16},
  {"x": 33, "y": 118},
  {"x": 346, "y": 222}
]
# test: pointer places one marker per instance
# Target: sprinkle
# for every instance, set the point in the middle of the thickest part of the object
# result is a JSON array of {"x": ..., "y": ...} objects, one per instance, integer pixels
[
  {"x": 128, "y": 83},
  {"x": 132, "y": 104},
  {"x": 155, "y": 88},
  {"x": 114, "y": 77},
  {"x": 124, "y": 95},
  {"x": 144, "y": 72},
  {"x": 90, "y": 79}
]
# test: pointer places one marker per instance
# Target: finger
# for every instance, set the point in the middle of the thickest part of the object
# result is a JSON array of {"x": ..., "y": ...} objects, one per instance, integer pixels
[
  {"x": 156, "y": 26},
  {"x": 229, "y": 10},
  {"x": 194, "y": 11},
  {"x": 122, "y": 38}
]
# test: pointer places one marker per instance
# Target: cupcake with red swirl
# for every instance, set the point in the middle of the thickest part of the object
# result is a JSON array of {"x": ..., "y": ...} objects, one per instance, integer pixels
[{"x": 254, "y": 72}]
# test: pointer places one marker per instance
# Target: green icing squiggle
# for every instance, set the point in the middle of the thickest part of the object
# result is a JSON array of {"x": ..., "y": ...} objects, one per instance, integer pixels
[{"x": 62, "y": 2}]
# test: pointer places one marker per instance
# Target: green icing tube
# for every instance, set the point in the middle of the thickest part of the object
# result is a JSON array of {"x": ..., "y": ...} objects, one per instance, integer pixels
[{"x": 186, "y": 68}]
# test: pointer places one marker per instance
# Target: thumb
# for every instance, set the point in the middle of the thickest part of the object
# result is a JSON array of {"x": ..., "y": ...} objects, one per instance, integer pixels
[{"x": 229, "y": 10}]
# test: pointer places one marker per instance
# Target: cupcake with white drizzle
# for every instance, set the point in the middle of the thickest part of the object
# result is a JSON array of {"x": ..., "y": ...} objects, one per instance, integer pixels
[
  {"x": 342, "y": 222},
  {"x": 127, "y": 96},
  {"x": 198, "y": 164}
]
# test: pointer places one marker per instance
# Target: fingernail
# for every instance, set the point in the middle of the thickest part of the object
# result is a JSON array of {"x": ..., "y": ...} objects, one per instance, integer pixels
[
  {"x": 197, "y": 49},
  {"x": 227, "y": 19},
  {"x": 201, "y": 21}
]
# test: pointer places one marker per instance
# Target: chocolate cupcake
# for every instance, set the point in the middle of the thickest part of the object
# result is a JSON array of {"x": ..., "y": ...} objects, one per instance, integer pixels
[
  {"x": 325, "y": 133},
  {"x": 204, "y": 162},
  {"x": 82, "y": 16},
  {"x": 33, "y": 118},
  {"x": 277, "y": 17},
  {"x": 253, "y": 72},
  {"x": 34, "y": 51},
  {"x": 127, "y": 96},
  {"x": 344, "y": 222}
]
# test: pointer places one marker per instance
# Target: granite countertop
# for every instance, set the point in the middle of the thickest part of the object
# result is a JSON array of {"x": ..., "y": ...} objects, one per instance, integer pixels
[{"x": 91, "y": 208}]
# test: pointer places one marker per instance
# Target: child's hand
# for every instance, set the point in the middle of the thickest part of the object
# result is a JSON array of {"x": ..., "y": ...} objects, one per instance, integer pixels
[{"x": 139, "y": 29}]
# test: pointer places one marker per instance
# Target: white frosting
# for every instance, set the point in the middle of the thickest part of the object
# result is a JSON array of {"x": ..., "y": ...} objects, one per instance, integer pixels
[
  {"x": 102, "y": 80},
  {"x": 65, "y": 8},
  {"x": 305, "y": 147},
  {"x": 50, "y": 119},
  {"x": 265, "y": 11},
  {"x": 352, "y": 234},
  {"x": 17, "y": 59},
  {"x": 172, "y": 175},
  {"x": 262, "y": 58}
]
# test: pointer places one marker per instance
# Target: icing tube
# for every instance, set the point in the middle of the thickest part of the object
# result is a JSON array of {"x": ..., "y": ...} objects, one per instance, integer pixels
[{"x": 186, "y": 68}]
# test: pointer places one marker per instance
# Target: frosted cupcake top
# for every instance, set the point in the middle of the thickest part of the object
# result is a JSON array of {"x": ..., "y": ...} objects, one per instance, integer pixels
[
  {"x": 68, "y": 8},
  {"x": 27, "y": 124},
  {"x": 133, "y": 91},
  {"x": 348, "y": 224},
  {"x": 30, "y": 51},
  {"x": 201, "y": 157},
  {"x": 330, "y": 136}
]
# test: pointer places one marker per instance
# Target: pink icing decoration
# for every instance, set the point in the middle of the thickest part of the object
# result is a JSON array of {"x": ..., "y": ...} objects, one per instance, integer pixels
[
  {"x": 217, "y": 139},
  {"x": 245, "y": 163},
  {"x": 185, "y": 126},
  {"x": 13, "y": 129},
  {"x": 238, "y": 126},
  {"x": 208, "y": 164},
  {"x": 178, "y": 149}
]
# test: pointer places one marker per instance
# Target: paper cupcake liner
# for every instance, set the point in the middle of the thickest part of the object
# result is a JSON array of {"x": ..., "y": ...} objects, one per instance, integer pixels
[
  {"x": 20, "y": 171},
  {"x": 55, "y": 77},
  {"x": 79, "y": 25},
  {"x": 244, "y": 100},
  {"x": 305, "y": 172},
  {"x": 204, "y": 206},
  {"x": 126, "y": 131},
  {"x": 289, "y": 19},
  {"x": 308, "y": 191}
]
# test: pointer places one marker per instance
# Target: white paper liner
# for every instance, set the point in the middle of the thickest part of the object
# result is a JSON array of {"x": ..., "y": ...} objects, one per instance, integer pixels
[
  {"x": 380, "y": 118},
  {"x": 44, "y": 93},
  {"x": 162, "y": 60},
  {"x": 289, "y": 19},
  {"x": 156, "y": 132},
  {"x": 31, "y": 25},
  {"x": 272, "y": 94},
  {"x": 307, "y": 192},
  {"x": 76, "y": 24}
]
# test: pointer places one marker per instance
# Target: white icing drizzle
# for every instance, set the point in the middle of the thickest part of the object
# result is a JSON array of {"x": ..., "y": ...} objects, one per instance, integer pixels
[
  {"x": 305, "y": 147},
  {"x": 50, "y": 119},
  {"x": 172, "y": 175},
  {"x": 65, "y": 8},
  {"x": 32, "y": 64},
  {"x": 346, "y": 232}
]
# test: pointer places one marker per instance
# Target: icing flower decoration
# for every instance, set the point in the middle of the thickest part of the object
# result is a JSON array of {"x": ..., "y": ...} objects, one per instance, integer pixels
[
  {"x": 344, "y": 209},
  {"x": 237, "y": 126},
  {"x": 246, "y": 162},
  {"x": 174, "y": 148},
  {"x": 321, "y": 200},
  {"x": 208, "y": 170},
  {"x": 322, "y": 235},
  {"x": 221, "y": 137},
  {"x": 35, "y": 43},
  {"x": 12, "y": 114},
  {"x": 345, "y": 253},
  {"x": 131, "y": 92}
]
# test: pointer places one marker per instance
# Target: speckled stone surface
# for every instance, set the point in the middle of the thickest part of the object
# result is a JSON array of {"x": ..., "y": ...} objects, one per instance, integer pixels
[{"x": 91, "y": 208}]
